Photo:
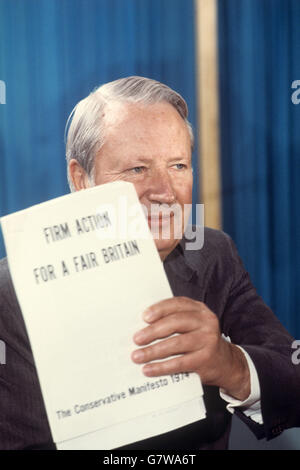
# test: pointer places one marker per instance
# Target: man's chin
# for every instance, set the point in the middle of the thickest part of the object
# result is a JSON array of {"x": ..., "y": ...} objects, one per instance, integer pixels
[{"x": 164, "y": 247}]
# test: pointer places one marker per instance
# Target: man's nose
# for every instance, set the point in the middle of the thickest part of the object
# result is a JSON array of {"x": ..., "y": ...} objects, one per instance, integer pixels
[{"x": 160, "y": 188}]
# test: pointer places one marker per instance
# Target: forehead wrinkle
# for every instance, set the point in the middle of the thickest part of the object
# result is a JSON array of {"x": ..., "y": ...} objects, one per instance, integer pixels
[
  {"x": 154, "y": 157},
  {"x": 141, "y": 143},
  {"x": 116, "y": 112}
]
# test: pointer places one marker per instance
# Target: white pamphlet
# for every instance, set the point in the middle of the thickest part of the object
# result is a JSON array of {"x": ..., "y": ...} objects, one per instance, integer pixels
[{"x": 85, "y": 267}]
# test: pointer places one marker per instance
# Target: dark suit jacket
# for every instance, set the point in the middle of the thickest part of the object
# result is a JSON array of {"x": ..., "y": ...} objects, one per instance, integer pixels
[{"x": 214, "y": 275}]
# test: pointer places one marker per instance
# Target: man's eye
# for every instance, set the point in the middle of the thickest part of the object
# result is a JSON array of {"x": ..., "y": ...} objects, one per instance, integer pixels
[
  {"x": 137, "y": 169},
  {"x": 180, "y": 166}
]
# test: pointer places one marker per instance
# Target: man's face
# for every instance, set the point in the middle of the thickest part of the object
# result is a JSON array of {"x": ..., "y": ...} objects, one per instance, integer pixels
[{"x": 150, "y": 147}]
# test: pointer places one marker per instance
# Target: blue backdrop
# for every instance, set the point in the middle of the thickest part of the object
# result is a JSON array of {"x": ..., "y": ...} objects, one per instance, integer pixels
[
  {"x": 53, "y": 53},
  {"x": 259, "y": 50}
]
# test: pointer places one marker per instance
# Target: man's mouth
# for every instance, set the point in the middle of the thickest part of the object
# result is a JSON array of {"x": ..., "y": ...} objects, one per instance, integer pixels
[{"x": 160, "y": 218}]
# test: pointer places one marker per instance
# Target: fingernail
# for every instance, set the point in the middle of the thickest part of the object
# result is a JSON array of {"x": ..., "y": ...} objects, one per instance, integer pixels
[
  {"x": 148, "y": 315},
  {"x": 147, "y": 370},
  {"x": 139, "y": 336},
  {"x": 138, "y": 355}
]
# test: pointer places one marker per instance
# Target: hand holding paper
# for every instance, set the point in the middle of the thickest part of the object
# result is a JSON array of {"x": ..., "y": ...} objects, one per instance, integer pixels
[
  {"x": 199, "y": 347},
  {"x": 82, "y": 282}
]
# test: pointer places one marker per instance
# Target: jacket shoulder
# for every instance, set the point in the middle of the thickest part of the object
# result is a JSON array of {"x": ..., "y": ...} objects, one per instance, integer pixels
[
  {"x": 6, "y": 285},
  {"x": 12, "y": 327},
  {"x": 216, "y": 248}
]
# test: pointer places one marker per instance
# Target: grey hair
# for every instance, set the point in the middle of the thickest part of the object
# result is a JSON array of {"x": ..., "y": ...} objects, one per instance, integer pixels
[{"x": 85, "y": 132}]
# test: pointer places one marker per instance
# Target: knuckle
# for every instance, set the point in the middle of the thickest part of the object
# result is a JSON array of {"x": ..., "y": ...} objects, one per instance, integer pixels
[
  {"x": 177, "y": 341},
  {"x": 177, "y": 318},
  {"x": 162, "y": 348},
  {"x": 201, "y": 305},
  {"x": 206, "y": 355},
  {"x": 179, "y": 302},
  {"x": 150, "y": 353},
  {"x": 181, "y": 364}
]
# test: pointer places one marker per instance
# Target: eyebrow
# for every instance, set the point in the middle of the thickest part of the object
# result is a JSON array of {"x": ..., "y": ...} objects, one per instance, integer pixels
[{"x": 149, "y": 160}]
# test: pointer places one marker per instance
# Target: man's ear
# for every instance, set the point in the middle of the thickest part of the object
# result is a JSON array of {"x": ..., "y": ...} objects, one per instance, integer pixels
[{"x": 78, "y": 175}]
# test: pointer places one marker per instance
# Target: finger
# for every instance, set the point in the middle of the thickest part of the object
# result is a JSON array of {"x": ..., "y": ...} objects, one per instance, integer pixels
[
  {"x": 169, "y": 306},
  {"x": 178, "y": 344},
  {"x": 184, "y": 363},
  {"x": 174, "y": 323}
]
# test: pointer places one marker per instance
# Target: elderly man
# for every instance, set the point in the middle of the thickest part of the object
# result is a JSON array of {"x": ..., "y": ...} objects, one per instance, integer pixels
[{"x": 136, "y": 129}]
